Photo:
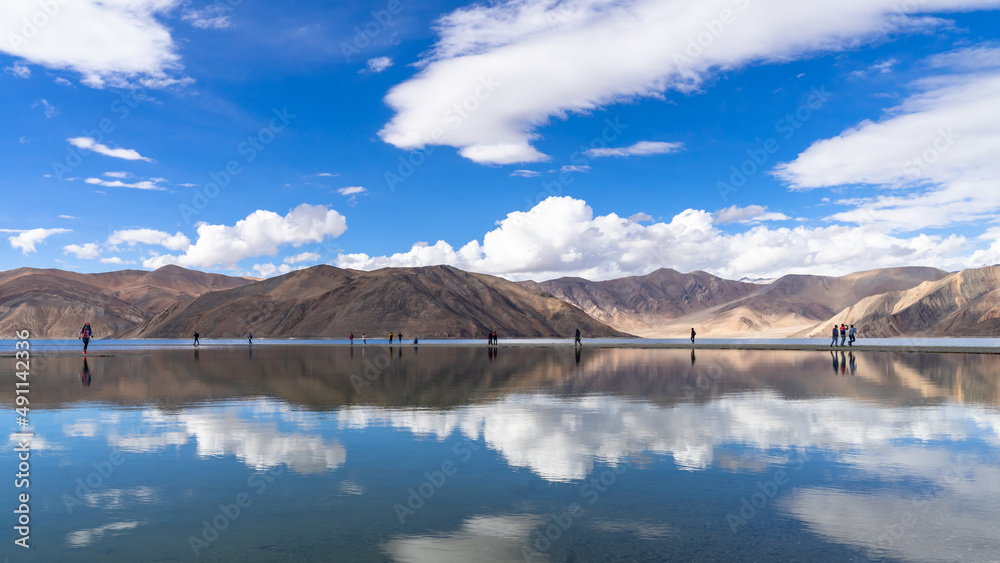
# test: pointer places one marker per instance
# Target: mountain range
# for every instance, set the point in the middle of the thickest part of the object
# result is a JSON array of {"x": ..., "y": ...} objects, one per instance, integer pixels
[{"x": 444, "y": 302}]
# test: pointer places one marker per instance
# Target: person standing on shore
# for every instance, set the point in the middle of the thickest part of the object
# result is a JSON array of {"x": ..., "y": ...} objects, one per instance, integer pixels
[
  {"x": 834, "y": 341},
  {"x": 390, "y": 338},
  {"x": 400, "y": 337},
  {"x": 843, "y": 334},
  {"x": 850, "y": 333},
  {"x": 578, "y": 342},
  {"x": 352, "y": 339},
  {"x": 196, "y": 341},
  {"x": 250, "y": 338},
  {"x": 693, "y": 334},
  {"x": 86, "y": 334},
  {"x": 364, "y": 338}
]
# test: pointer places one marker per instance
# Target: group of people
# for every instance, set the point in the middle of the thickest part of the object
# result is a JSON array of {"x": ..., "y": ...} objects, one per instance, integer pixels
[
  {"x": 843, "y": 332},
  {"x": 491, "y": 338}
]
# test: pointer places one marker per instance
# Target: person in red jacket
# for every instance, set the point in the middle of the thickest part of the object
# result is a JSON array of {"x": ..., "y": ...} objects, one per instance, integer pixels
[{"x": 86, "y": 334}]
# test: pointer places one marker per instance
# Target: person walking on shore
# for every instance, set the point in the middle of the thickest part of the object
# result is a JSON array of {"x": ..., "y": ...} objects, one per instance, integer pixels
[
  {"x": 693, "y": 334},
  {"x": 578, "y": 342},
  {"x": 86, "y": 333},
  {"x": 250, "y": 338},
  {"x": 352, "y": 339},
  {"x": 834, "y": 341},
  {"x": 400, "y": 337},
  {"x": 390, "y": 337},
  {"x": 196, "y": 341},
  {"x": 364, "y": 338},
  {"x": 850, "y": 334},
  {"x": 843, "y": 334}
]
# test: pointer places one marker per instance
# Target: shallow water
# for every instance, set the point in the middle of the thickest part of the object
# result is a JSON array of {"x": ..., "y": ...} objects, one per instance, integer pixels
[{"x": 460, "y": 454}]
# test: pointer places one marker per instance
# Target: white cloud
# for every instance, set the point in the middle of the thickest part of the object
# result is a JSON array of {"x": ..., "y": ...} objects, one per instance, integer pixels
[
  {"x": 881, "y": 67},
  {"x": 120, "y": 175},
  {"x": 19, "y": 70},
  {"x": 132, "y": 237},
  {"x": 640, "y": 217},
  {"x": 525, "y": 173},
  {"x": 90, "y": 144},
  {"x": 24, "y": 141},
  {"x": 50, "y": 110},
  {"x": 574, "y": 168},
  {"x": 561, "y": 236},
  {"x": 748, "y": 214},
  {"x": 269, "y": 270},
  {"x": 107, "y": 42},
  {"x": 87, "y": 251},
  {"x": 932, "y": 160},
  {"x": 140, "y": 185},
  {"x": 27, "y": 239},
  {"x": 326, "y": 175},
  {"x": 115, "y": 260},
  {"x": 303, "y": 257},
  {"x": 378, "y": 64},
  {"x": 67, "y": 217},
  {"x": 511, "y": 66},
  {"x": 215, "y": 16},
  {"x": 642, "y": 148},
  {"x": 260, "y": 234},
  {"x": 351, "y": 190},
  {"x": 63, "y": 82}
]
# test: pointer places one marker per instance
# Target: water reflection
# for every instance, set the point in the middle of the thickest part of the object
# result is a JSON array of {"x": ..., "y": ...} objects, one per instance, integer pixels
[{"x": 891, "y": 455}]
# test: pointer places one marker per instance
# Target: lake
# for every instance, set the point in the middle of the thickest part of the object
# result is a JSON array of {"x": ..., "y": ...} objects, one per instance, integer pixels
[{"x": 463, "y": 453}]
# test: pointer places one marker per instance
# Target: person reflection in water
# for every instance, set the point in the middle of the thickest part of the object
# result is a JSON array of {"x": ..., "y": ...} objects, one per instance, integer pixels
[
  {"x": 843, "y": 363},
  {"x": 85, "y": 374},
  {"x": 836, "y": 364},
  {"x": 692, "y": 356},
  {"x": 578, "y": 350},
  {"x": 852, "y": 364}
]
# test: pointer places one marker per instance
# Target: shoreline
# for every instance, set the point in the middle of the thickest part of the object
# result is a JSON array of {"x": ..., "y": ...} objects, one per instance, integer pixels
[{"x": 62, "y": 347}]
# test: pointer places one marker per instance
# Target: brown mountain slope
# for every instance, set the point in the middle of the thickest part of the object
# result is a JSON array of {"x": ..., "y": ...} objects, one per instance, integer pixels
[
  {"x": 965, "y": 303},
  {"x": 323, "y": 301},
  {"x": 667, "y": 304},
  {"x": 639, "y": 304},
  {"x": 55, "y": 303}
]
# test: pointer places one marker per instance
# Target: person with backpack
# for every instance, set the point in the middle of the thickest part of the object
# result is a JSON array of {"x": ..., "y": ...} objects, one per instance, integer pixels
[
  {"x": 851, "y": 335},
  {"x": 86, "y": 333}
]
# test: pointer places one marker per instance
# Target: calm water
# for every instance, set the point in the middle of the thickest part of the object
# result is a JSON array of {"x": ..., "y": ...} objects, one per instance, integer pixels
[{"x": 313, "y": 453}]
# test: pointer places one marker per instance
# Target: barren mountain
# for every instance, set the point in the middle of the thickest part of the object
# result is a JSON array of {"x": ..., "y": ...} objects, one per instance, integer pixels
[
  {"x": 640, "y": 304},
  {"x": 436, "y": 301},
  {"x": 667, "y": 304},
  {"x": 965, "y": 303},
  {"x": 55, "y": 303}
]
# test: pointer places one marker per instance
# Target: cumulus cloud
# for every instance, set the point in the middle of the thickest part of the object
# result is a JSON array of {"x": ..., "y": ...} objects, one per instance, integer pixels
[
  {"x": 27, "y": 239},
  {"x": 748, "y": 214},
  {"x": 561, "y": 236},
  {"x": 132, "y": 237},
  {"x": 87, "y": 251},
  {"x": 150, "y": 184},
  {"x": 260, "y": 234},
  {"x": 932, "y": 160},
  {"x": 87, "y": 143},
  {"x": 501, "y": 70},
  {"x": 642, "y": 148},
  {"x": 107, "y": 43},
  {"x": 270, "y": 270},
  {"x": 378, "y": 64},
  {"x": 115, "y": 260}
]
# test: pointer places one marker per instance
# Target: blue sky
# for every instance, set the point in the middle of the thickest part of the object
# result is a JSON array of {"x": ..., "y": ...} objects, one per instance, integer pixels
[{"x": 527, "y": 139}]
